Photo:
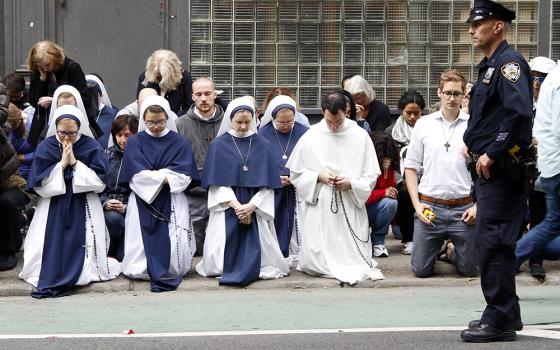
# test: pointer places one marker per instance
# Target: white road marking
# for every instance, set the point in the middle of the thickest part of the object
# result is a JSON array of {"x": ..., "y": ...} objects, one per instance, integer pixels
[{"x": 540, "y": 331}]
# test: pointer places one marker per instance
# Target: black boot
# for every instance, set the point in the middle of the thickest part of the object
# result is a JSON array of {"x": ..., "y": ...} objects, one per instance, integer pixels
[
  {"x": 537, "y": 269},
  {"x": 485, "y": 333},
  {"x": 517, "y": 325},
  {"x": 7, "y": 261}
]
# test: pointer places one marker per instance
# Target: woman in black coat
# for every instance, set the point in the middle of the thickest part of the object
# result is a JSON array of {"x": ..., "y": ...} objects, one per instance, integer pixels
[
  {"x": 375, "y": 112},
  {"x": 50, "y": 68}
]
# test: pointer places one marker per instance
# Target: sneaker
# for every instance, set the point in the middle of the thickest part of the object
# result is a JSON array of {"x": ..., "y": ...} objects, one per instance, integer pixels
[
  {"x": 380, "y": 251},
  {"x": 407, "y": 248}
]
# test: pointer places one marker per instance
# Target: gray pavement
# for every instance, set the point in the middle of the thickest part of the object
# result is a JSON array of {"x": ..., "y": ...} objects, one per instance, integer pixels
[{"x": 396, "y": 269}]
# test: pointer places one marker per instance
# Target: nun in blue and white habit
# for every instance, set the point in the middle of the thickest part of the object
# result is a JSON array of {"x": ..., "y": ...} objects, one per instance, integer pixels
[
  {"x": 279, "y": 127},
  {"x": 67, "y": 241},
  {"x": 241, "y": 176},
  {"x": 159, "y": 165},
  {"x": 105, "y": 111}
]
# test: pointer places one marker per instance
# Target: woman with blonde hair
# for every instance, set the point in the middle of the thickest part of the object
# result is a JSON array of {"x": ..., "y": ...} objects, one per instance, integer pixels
[
  {"x": 375, "y": 112},
  {"x": 164, "y": 73},
  {"x": 50, "y": 68}
]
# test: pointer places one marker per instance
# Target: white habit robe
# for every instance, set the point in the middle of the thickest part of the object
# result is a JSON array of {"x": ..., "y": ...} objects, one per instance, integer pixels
[
  {"x": 327, "y": 246},
  {"x": 94, "y": 270},
  {"x": 273, "y": 263},
  {"x": 147, "y": 185}
]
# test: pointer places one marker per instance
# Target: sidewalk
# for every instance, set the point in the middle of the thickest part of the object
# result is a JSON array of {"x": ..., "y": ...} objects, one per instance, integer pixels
[{"x": 396, "y": 269}]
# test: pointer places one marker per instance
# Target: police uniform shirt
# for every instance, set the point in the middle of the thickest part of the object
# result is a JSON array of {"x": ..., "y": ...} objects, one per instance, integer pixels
[{"x": 501, "y": 105}]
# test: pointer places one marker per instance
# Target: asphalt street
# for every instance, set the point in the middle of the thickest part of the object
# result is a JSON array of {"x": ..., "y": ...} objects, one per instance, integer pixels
[
  {"x": 353, "y": 318},
  {"x": 434, "y": 340},
  {"x": 299, "y": 312}
]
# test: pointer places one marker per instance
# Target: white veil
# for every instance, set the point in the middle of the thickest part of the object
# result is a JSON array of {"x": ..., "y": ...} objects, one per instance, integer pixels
[
  {"x": 105, "y": 95},
  {"x": 74, "y": 92},
  {"x": 73, "y": 111},
  {"x": 156, "y": 100},
  {"x": 275, "y": 102},
  {"x": 245, "y": 101}
]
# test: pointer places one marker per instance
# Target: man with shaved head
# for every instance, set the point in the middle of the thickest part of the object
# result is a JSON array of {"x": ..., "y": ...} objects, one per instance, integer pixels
[
  {"x": 199, "y": 126},
  {"x": 134, "y": 106}
]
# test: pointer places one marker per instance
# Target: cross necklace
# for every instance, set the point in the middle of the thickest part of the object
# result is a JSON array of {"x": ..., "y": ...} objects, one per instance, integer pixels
[
  {"x": 284, "y": 151},
  {"x": 243, "y": 159},
  {"x": 447, "y": 144}
]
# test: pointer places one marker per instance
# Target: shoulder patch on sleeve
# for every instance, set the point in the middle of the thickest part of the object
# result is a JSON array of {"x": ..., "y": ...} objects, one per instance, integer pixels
[{"x": 511, "y": 71}]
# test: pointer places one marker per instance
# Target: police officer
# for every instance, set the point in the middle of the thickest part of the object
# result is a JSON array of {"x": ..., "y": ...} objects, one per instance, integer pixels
[{"x": 498, "y": 131}]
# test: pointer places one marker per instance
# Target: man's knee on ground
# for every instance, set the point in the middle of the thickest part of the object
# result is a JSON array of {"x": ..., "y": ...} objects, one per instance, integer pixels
[
  {"x": 467, "y": 271},
  {"x": 423, "y": 270}
]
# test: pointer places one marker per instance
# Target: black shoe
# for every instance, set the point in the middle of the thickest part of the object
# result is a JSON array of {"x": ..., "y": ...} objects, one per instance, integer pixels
[
  {"x": 518, "y": 325},
  {"x": 485, "y": 333},
  {"x": 537, "y": 271},
  {"x": 7, "y": 261}
]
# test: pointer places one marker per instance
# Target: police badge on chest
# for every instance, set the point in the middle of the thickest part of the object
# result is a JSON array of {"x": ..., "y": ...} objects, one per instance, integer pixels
[{"x": 488, "y": 75}]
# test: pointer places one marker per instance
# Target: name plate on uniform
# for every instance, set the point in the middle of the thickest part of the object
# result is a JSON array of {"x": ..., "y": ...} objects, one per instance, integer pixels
[{"x": 488, "y": 75}]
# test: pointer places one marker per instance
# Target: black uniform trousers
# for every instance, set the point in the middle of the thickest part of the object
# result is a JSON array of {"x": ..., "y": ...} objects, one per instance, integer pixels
[{"x": 501, "y": 206}]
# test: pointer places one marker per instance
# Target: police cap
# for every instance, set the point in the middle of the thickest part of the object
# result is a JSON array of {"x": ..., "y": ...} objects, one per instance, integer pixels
[{"x": 483, "y": 9}]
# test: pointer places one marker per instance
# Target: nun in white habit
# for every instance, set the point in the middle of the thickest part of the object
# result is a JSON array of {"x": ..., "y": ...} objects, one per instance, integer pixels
[
  {"x": 159, "y": 165},
  {"x": 105, "y": 111},
  {"x": 241, "y": 175},
  {"x": 67, "y": 240}
]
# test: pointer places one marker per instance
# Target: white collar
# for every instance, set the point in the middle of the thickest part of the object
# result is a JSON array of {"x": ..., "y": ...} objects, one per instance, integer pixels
[
  {"x": 247, "y": 134},
  {"x": 461, "y": 116},
  {"x": 161, "y": 134},
  {"x": 199, "y": 115}
]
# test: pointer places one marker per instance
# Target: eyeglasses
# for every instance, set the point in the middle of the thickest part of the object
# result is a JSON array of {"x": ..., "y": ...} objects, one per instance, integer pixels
[
  {"x": 150, "y": 123},
  {"x": 284, "y": 123},
  {"x": 66, "y": 133},
  {"x": 455, "y": 94},
  {"x": 538, "y": 79}
]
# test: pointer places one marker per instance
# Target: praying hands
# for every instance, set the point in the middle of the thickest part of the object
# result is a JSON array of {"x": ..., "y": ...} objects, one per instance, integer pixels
[{"x": 68, "y": 158}]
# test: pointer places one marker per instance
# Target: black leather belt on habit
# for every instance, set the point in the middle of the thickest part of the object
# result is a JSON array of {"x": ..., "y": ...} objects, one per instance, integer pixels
[{"x": 450, "y": 202}]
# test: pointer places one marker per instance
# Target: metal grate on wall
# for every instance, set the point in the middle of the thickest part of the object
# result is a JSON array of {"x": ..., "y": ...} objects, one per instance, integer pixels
[{"x": 250, "y": 47}]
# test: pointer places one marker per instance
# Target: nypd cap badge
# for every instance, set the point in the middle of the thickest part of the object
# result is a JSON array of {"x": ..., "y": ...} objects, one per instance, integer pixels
[{"x": 511, "y": 71}]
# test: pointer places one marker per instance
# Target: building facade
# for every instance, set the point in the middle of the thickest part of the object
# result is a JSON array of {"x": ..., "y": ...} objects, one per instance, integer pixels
[{"x": 251, "y": 46}]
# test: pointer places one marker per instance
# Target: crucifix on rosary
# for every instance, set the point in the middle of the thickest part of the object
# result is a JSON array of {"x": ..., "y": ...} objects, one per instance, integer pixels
[
  {"x": 209, "y": 138},
  {"x": 446, "y": 145}
]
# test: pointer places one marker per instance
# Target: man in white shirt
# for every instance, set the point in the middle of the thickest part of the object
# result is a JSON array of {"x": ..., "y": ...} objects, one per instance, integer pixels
[
  {"x": 436, "y": 147},
  {"x": 544, "y": 239}
]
